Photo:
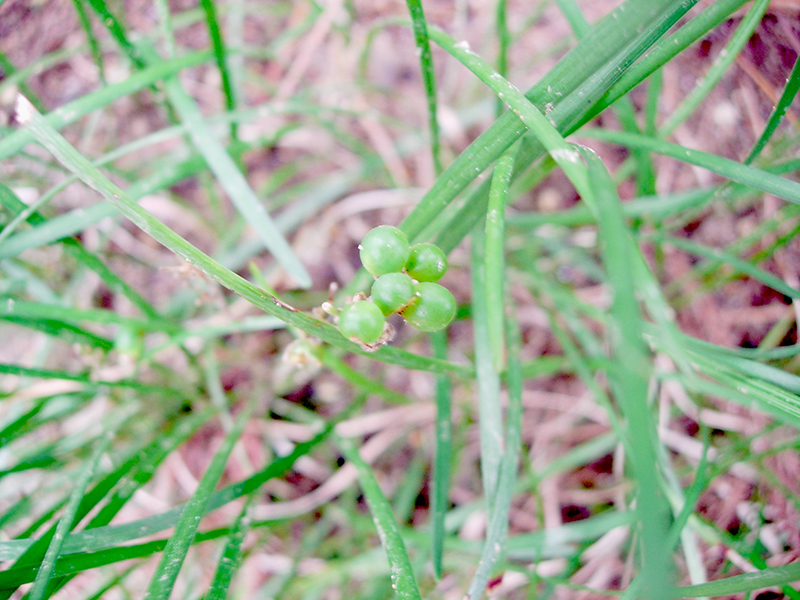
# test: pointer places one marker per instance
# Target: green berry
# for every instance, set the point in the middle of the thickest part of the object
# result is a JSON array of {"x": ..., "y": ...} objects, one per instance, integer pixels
[
  {"x": 361, "y": 320},
  {"x": 384, "y": 250},
  {"x": 433, "y": 308},
  {"x": 426, "y": 262},
  {"x": 391, "y": 292}
]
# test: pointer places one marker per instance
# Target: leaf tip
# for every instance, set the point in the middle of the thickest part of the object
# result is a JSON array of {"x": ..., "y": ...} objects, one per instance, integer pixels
[{"x": 23, "y": 110}]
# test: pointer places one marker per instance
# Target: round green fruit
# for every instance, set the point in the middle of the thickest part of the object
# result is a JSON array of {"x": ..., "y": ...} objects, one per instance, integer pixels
[
  {"x": 384, "y": 250},
  {"x": 392, "y": 291},
  {"x": 426, "y": 262},
  {"x": 361, "y": 320},
  {"x": 434, "y": 307}
]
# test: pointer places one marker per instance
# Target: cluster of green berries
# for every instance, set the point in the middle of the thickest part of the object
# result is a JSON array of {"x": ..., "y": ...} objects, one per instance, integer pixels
[{"x": 405, "y": 283}]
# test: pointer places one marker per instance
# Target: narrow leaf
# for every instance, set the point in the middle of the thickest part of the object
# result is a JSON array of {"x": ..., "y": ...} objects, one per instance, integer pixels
[
  {"x": 182, "y": 537},
  {"x": 719, "y": 256},
  {"x": 497, "y": 530},
  {"x": 443, "y": 455},
  {"x": 520, "y": 105},
  {"x": 631, "y": 374},
  {"x": 231, "y": 556},
  {"x": 234, "y": 183},
  {"x": 720, "y": 65},
  {"x": 665, "y": 50},
  {"x": 402, "y": 574},
  {"x": 786, "y": 99},
  {"x": 220, "y": 54},
  {"x": 67, "y": 521},
  {"x": 612, "y": 45},
  {"x": 428, "y": 76},
  {"x": 755, "y": 178},
  {"x": 71, "y": 112},
  {"x": 490, "y": 419},
  {"x": 741, "y": 583},
  {"x": 494, "y": 261}
]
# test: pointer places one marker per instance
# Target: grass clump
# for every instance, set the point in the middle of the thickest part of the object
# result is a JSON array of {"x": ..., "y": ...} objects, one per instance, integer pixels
[{"x": 599, "y": 394}]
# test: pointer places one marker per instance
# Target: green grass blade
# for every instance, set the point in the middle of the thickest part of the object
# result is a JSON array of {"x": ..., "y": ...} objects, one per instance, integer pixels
[
  {"x": 111, "y": 279},
  {"x": 443, "y": 455},
  {"x": 503, "y": 42},
  {"x": 117, "y": 31},
  {"x": 576, "y": 108},
  {"x": 186, "y": 528},
  {"x": 30, "y": 420},
  {"x": 724, "y": 357},
  {"x": 34, "y": 551},
  {"x": 404, "y": 501},
  {"x": 580, "y": 363},
  {"x": 127, "y": 478},
  {"x": 650, "y": 207},
  {"x": 719, "y": 256},
  {"x": 71, "y": 564},
  {"x": 738, "y": 584},
  {"x": 580, "y": 455},
  {"x": 92, "y": 541},
  {"x": 138, "y": 470},
  {"x": 690, "y": 497},
  {"x": 779, "y": 353},
  {"x": 567, "y": 113},
  {"x": 89, "y": 380},
  {"x": 786, "y": 99},
  {"x": 234, "y": 183},
  {"x": 659, "y": 309},
  {"x": 67, "y": 521},
  {"x": 72, "y": 111},
  {"x": 494, "y": 263},
  {"x": 464, "y": 170},
  {"x": 66, "y": 331},
  {"x": 721, "y": 64},
  {"x": 132, "y": 473},
  {"x": 711, "y": 278},
  {"x": 744, "y": 390},
  {"x": 497, "y": 529},
  {"x": 166, "y": 28},
  {"x": 630, "y": 374},
  {"x": 234, "y": 30},
  {"x": 164, "y": 173},
  {"x": 594, "y": 65},
  {"x": 543, "y": 366},
  {"x": 654, "y": 88},
  {"x": 490, "y": 416},
  {"x": 574, "y": 17},
  {"x": 557, "y": 541},
  {"x": 76, "y": 221},
  {"x": 619, "y": 38},
  {"x": 644, "y": 170},
  {"x": 772, "y": 390},
  {"x": 402, "y": 574},
  {"x": 520, "y": 105},
  {"x": 74, "y": 161},
  {"x": 94, "y": 44},
  {"x": 749, "y": 176},
  {"x": 428, "y": 76},
  {"x": 220, "y": 54},
  {"x": 22, "y": 309},
  {"x": 667, "y": 49}
]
